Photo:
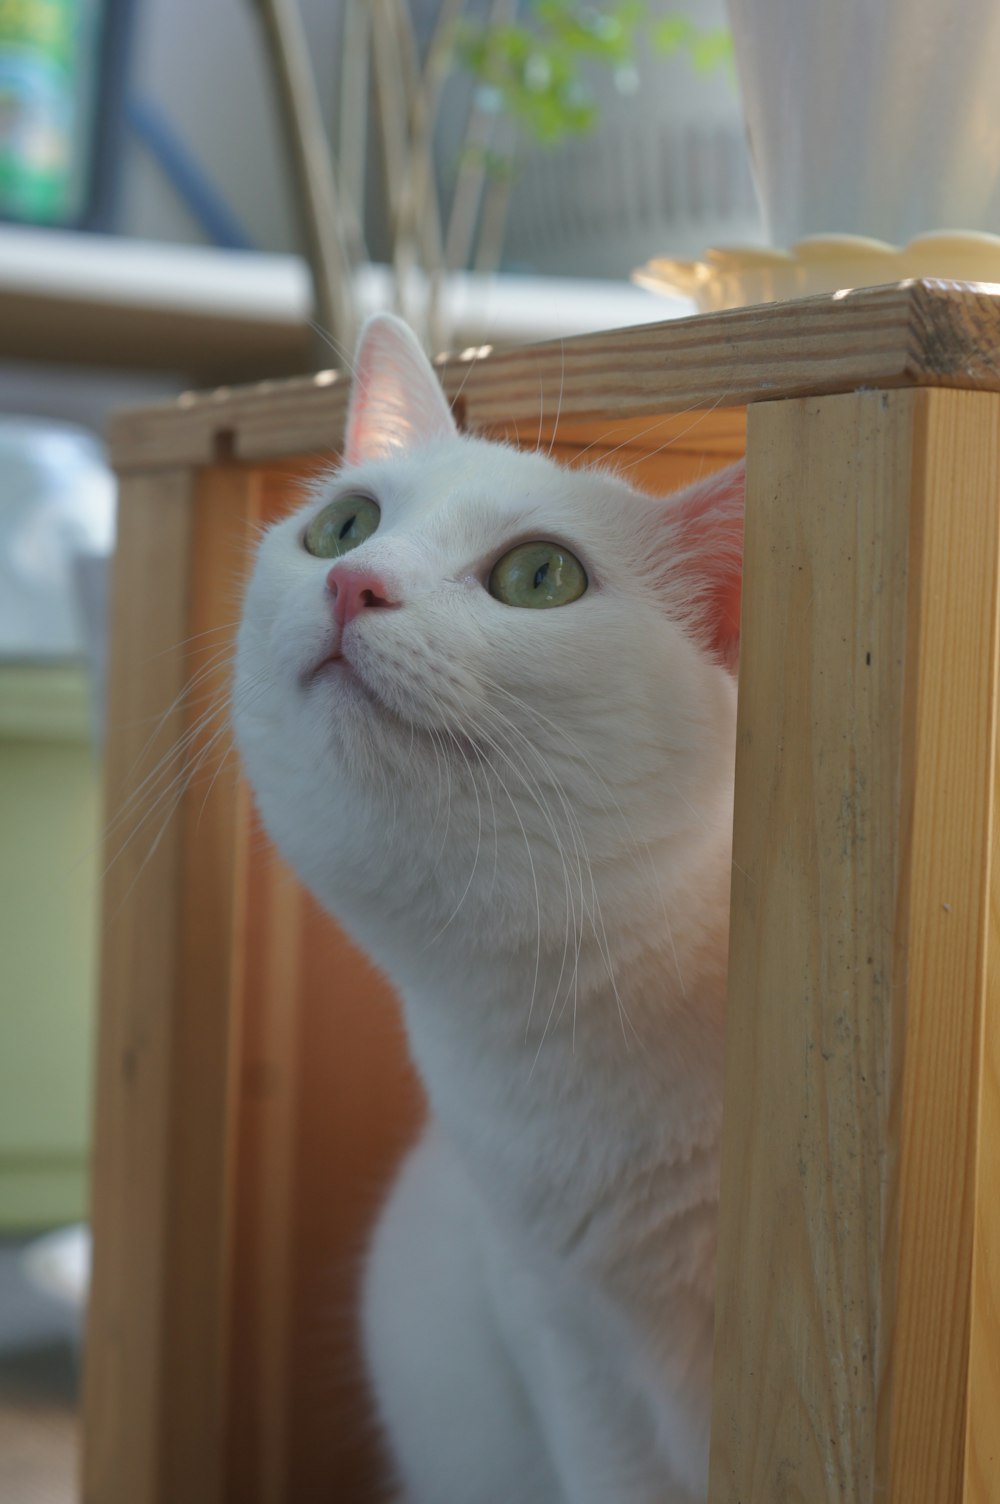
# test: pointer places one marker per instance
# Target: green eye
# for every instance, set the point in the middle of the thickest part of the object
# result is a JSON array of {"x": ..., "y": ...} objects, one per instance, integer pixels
[
  {"x": 537, "y": 574},
  {"x": 341, "y": 526}
]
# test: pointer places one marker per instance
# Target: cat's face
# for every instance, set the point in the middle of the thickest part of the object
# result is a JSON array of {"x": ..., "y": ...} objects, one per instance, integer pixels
[{"x": 412, "y": 683}]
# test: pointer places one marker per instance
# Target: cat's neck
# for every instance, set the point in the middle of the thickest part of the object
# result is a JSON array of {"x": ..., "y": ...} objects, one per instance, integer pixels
[
  {"x": 561, "y": 1094},
  {"x": 569, "y": 1036}
]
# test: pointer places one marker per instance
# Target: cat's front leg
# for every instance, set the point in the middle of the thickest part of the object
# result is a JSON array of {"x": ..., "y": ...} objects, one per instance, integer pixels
[
  {"x": 610, "y": 1424},
  {"x": 456, "y": 1417},
  {"x": 604, "y": 1437}
]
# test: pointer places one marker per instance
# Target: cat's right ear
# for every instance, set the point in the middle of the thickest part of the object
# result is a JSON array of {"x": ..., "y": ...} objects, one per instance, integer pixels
[
  {"x": 701, "y": 555},
  {"x": 397, "y": 404}
]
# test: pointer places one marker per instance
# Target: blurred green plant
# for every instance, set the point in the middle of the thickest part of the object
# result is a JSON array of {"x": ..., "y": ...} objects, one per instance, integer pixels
[
  {"x": 534, "y": 70},
  {"x": 532, "y": 62}
]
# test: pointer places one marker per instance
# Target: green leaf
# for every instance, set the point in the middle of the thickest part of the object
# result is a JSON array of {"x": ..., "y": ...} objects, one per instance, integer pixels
[
  {"x": 712, "y": 49},
  {"x": 673, "y": 33},
  {"x": 534, "y": 67}
]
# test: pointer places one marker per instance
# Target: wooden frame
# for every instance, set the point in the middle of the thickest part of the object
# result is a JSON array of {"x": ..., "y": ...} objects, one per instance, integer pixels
[
  {"x": 849, "y": 1319},
  {"x": 858, "y": 1342}
]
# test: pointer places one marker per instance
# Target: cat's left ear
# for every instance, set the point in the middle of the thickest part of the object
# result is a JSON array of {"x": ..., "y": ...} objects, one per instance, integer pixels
[
  {"x": 396, "y": 403},
  {"x": 703, "y": 558}
]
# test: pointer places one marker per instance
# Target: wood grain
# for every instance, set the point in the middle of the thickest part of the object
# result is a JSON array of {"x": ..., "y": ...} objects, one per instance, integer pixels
[
  {"x": 129, "y": 1208},
  {"x": 858, "y": 987},
  {"x": 328, "y": 1101},
  {"x": 982, "y": 1440},
  {"x": 949, "y": 757},
  {"x": 358, "y": 1108},
  {"x": 157, "y": 1371},
  {"x": 206, "y": 1009},
  {"x": 913, "y": 333},
  {"x": 259, "y": 1377},
  {"x": 254, "y": 1091},
  {"x": 700, "y": 431}
]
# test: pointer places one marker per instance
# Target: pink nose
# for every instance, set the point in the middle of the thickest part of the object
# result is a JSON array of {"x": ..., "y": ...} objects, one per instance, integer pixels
[{"x": 353, "y": 590}]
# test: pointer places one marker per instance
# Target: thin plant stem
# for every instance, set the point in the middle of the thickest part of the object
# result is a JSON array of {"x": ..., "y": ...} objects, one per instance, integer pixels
[
  {"x": 312, "y": 166},
  {"x": 352, "y": 122}
]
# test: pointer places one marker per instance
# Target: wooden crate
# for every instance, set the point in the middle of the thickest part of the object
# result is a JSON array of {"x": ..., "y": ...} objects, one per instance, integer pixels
[{"x": 253, "y": 1089}]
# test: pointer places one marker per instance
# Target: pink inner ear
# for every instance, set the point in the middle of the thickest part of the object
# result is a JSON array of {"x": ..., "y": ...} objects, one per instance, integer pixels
[
  {"x": 396, "y": 403},
  {"x": 709, "y": 518},
  {"x": 725, "y": 640}
]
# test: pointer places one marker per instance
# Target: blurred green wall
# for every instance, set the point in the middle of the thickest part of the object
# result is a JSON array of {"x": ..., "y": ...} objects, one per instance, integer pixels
[{"x": 50, "y": 837}]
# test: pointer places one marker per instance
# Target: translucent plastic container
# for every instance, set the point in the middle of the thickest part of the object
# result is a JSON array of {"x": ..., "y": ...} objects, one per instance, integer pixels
[{"x": 62, "y": 68}]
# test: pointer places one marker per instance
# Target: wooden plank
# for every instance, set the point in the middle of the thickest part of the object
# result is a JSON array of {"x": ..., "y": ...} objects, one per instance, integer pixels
[
  {"x": 949, "y": 764},
  {"x": 156, "y": 1371},
  {"x": 859, "y": 977},
  {"x": 260, "y": 1377},
  {"x": 328, "y": 1102},
  {"x": 660, "y": 474},
  {"x": 358, "y": 1108},
  {"x": 129, "y": 1211},
  {"x": 913, "y": 333},
  {"x": 720, "y": 430},
  {"x": 982, "y": 1442},
  {"x": 206, "y": 1011}
]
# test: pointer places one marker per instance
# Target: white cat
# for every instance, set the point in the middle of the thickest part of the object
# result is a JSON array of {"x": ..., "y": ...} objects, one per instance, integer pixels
[{"x": 487, "y": 708}]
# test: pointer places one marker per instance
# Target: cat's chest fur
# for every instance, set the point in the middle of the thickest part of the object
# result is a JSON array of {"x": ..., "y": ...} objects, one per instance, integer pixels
[{"x": 569, "y": 1036}]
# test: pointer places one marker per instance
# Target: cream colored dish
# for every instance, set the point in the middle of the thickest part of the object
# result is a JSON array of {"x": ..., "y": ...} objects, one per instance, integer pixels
[{"x": 738, "y": 276}]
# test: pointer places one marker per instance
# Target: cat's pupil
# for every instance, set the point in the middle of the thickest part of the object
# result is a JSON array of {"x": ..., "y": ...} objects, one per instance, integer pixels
[
  {"x": 540, "y": 574},
  {"x": 347, "y": 527}
]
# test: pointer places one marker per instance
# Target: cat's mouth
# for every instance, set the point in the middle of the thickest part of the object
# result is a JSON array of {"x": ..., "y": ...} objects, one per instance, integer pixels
[
  {"x": 333, "y": 666},
  {"x": 336, "y": 668}
]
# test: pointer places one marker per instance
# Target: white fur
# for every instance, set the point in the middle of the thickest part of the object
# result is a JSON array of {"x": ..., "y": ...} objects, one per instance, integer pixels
[{"x": 524, "y": 817}]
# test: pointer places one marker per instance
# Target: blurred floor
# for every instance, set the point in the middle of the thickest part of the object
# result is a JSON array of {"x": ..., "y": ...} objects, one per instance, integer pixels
[{"x": 39, "y": 1386}]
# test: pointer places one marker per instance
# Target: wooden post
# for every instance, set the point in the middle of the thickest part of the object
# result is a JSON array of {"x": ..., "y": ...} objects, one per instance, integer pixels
[
  {"x": 157, "y": 1368},
  {"x": 253, "y": 1087},
  {"x": 856, "y": 1327}
]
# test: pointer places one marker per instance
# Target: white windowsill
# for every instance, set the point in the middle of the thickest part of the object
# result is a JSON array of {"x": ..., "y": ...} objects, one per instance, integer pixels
[{"x": 104, "y": 300}]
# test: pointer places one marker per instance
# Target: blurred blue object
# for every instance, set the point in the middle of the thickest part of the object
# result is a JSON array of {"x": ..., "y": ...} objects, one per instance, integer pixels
[
  {"x": 57, "y": 508},
  {"x": 189, "y": 181}
]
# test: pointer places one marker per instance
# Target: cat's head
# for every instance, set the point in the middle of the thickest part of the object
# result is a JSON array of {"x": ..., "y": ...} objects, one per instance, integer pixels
[{"x": 463, "y": 663}]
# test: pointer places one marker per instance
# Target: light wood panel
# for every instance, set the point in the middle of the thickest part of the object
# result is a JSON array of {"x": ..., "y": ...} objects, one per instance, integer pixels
[
  {"x": 206, "y": 1009},
  {"x": 254, "y": 1091},
  {"x": 859, "y": 961},
  {"x": 700, "y": 431},
  {"x": 129, "y": 1210},
  {"x": 157, "y": 1345},
  {"x": 931, "y": 333},
  {"x": 982, "y": 1439},
  {"x": 327, "y": 1103},
  {"x": 657, "y": 471},
  {"x": 945, "y": 900}
]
